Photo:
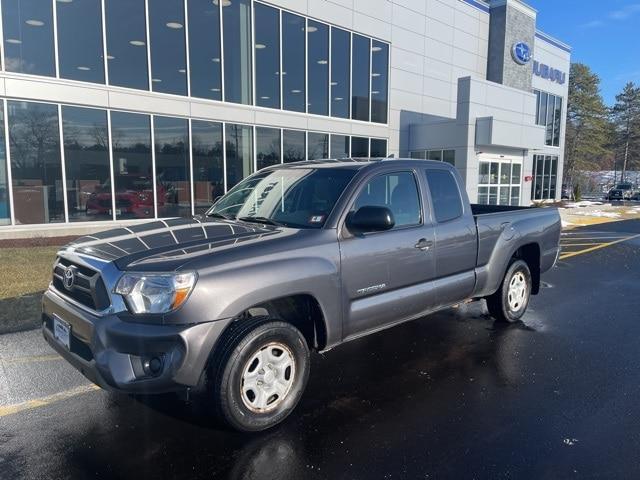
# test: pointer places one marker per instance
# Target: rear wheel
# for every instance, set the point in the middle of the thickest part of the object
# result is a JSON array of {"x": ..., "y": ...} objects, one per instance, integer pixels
[
  {"x": 260, "y": 374},
  {"x": 511, "y": 300}
]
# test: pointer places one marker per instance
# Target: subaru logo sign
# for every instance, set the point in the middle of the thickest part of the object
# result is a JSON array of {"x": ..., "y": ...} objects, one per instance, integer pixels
[{"x": 521, "y": 53}]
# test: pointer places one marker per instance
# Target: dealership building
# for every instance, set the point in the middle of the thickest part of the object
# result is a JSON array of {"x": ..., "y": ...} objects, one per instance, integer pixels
[{"x": 121, "y": 110}]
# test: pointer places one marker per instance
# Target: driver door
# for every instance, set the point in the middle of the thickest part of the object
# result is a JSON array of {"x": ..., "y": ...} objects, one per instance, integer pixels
[{"x": 387, "y": 277}]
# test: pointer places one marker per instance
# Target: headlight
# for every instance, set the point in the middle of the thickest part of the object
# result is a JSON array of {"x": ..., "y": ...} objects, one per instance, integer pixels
[{"x": 155, "y": 292}]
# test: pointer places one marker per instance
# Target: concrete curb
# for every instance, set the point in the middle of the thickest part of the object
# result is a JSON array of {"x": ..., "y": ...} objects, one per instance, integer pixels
[{"x": 20, "y": 313}]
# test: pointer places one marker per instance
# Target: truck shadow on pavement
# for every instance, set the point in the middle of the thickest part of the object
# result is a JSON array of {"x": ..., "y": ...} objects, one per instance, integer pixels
[{"x": 362, "y": 390}]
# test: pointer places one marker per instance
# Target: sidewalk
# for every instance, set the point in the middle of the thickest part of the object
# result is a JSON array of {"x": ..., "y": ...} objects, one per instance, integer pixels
[{"x": 580, "y": 214}]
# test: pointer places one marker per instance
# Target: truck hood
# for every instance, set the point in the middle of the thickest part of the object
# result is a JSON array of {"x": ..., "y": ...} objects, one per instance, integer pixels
[{"x": 165, "y": 241}]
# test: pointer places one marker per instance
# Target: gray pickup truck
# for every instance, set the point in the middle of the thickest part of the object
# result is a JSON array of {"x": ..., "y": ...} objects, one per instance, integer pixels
[{"x": 294, "y": 258}]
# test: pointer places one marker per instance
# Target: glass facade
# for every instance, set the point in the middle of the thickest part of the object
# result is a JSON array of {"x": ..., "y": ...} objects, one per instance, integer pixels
[
  {"x": 549, "y": 115},
  {"x": 114, "y": 165},
  {"x": 240, "y": 51},
  {"x": 448, "y": 156},
  {"x": 63, "y": 163}
]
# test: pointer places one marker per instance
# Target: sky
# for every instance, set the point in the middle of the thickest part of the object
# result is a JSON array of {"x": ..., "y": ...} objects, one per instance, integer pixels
[{"x": 603, "y": 35}]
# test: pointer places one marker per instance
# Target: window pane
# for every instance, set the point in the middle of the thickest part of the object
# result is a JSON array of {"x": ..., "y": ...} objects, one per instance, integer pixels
[
  {"x": 493, "y": 195},
  {"x": 515, "y": 174},
  {"x": 339, "y": 146},
  {"x": 168, "y": 60},
  {"x": 80, "y": 52},
  {"x": 445, "y": 196},
  {"x": 505, "y": 173},
  {"x": 557, "y": 122},
  {"x": 267, "y": 25},
  {"x": 360, "y": 83},
  {"x": 318, "y": 34},
  {"x": 36, "y": 168},
  {"x": 434, "y": 155},
  {"x": 379, "y": 81},
  {"x": 133, "y": 175},
  {"x": 236, "y": 18},
  {"x": 547, "y": 172},
  {"x": 542, "y": 111},
  {"x": 173, "y": 179},
  {"x": 553, "y": 178},
  {"x": 493, "y": 178},
  {"x": 537, "y": 93},
  {"x": 398, "y": 192},
  {"x": 515, "y": 196},
  {"x": 5, "y": 212},
  {"x": 267, "y": 147},
  {"x": 504, "y": 196},
  {"x": 550, "y": 112},
  {"x": 28, "y": 37},
  {"x": 359, "y": 147},
  {"x": 86, "y": 158},
  {"x": 208, "y": 169},
  {"x": 340, "y": 68},
  {"x": 293, "y": 84},
  {"x": 420, "y": 155},
  {"x": 483, "y": 173},
  {"x": 483, "y": 195},
  {"x": 239, "y": 153},
  {"x": 449, "y": 156},
  {"x": 318, "y": 146},
  {"x": 127, "y": 43},
  {"x": 378, "y": 148},
  {"x": 204, "y": 49},
  {"x": 538, "y": 175},
  {"x": 294, "y": 146}
]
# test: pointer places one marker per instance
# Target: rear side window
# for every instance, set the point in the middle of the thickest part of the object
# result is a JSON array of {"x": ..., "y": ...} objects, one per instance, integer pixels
[{"x": 445, "y": 196}]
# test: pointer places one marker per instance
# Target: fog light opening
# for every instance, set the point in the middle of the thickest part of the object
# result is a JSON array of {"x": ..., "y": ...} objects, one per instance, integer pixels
[{"x": 153, "y": 365}]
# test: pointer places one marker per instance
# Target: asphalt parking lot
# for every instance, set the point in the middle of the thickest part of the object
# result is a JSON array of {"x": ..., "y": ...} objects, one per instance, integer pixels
[{"x": 449, "y": 396}]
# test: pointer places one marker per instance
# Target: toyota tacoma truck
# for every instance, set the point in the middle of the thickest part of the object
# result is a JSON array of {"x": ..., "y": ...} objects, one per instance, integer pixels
[{"x": 295, "y": 258}]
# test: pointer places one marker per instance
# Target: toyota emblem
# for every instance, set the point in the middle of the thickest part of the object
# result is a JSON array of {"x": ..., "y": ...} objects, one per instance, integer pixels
[{"x": 69, "y": 278}]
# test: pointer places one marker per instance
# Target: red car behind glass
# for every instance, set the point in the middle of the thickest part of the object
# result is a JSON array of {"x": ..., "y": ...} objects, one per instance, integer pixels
[{"x": 134, "y": 198}]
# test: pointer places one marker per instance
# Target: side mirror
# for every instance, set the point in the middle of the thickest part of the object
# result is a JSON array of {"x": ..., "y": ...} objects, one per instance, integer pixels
[{"x": 371, "y": 219}]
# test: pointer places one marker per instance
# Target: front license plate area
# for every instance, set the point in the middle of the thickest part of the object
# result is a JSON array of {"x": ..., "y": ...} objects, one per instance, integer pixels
[{"x": 62, "y": 331}]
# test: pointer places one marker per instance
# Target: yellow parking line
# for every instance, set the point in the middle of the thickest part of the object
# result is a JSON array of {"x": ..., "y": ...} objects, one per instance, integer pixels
[
  {"x": 579, "y": 244},
  {"x": 37, "y": 358},
  {"x": 597, "y": 247},
  {"x": 44, "y": 401}
]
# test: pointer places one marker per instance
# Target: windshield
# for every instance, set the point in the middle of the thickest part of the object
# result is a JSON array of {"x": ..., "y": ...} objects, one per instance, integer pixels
[
  {"x": 298, "y": 198},
  {"x": 623, "y": 186}
]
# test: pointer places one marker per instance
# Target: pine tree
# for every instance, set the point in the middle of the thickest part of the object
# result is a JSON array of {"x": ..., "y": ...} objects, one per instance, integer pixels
[
  {"x": 587, "y": 123},
  {"x": 626, "y": 118}
]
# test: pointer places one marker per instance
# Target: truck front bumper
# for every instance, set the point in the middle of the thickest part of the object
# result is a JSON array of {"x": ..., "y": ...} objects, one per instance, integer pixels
[{"x": 130, "y": 357}]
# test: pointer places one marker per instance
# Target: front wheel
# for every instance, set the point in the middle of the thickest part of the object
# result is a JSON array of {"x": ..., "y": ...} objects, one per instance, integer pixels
[
  {"x": 511, "y": 300},
  {"x": 261, "y": 373}
]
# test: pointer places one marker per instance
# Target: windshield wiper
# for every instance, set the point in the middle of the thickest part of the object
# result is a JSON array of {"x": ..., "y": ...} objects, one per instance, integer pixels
[
  {"x": 263, "y": 220},
  {"x": 219, "y": 215}
]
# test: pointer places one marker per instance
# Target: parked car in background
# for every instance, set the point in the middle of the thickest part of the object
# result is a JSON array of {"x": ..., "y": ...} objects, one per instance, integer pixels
[
  {"x": 295, "y": 258},
  {"x": 622, "y": 191}
]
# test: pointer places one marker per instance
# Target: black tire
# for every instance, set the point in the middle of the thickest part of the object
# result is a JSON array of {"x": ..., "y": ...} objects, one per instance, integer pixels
[
  {"x": 499, "y": 305},
  {"x": 239, "y": 346}
]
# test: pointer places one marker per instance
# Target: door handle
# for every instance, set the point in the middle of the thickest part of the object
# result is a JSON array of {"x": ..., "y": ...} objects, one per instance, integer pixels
[{"x": 424, "y": 244}]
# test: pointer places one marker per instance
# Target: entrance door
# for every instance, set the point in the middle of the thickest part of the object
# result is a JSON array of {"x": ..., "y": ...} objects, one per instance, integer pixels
[{"x": 500, "y": 179}]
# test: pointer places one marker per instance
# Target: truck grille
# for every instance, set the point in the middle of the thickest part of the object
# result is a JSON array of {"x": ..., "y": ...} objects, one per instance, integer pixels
[{"x": 80, "y": 283}]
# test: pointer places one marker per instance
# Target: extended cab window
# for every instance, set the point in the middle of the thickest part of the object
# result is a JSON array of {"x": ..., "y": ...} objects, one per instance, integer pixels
[
  {"x": 445, "y": 196},
  {"x": 398, "y": 192}
]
